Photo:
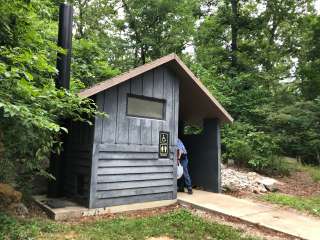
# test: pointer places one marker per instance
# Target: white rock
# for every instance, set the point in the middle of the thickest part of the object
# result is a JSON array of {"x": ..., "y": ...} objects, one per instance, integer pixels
[{"x": 234, "y": 180}]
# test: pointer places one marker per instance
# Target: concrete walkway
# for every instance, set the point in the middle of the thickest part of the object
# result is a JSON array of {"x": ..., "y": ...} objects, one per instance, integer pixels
[{"x": 271, "y": 217}]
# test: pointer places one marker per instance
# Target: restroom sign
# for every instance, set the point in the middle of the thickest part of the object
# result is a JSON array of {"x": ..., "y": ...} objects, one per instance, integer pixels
[{"x": 164, "y": 144}]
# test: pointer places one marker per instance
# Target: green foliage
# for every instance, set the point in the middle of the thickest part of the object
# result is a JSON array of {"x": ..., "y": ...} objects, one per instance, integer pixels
[
  {"x": 263, "y": 76},
  {"x": 239, "y": 150},
  {"x": 31, "y": 107},
  {"x": 307, "y": 204},
  {"x": 260, "y": 60},
  {"x": 156, "y": 28},
  {"x": 300, "y": 130},
  {"x": 309, "y": 57},
  {"x": 180, "y": 224},
  {"x": 89, "y": 62},
  {"x": 249, "y": 147}
]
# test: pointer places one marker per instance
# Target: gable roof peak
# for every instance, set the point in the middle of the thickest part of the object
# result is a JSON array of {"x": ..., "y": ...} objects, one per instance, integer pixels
[{"x": 104, "y": 85}]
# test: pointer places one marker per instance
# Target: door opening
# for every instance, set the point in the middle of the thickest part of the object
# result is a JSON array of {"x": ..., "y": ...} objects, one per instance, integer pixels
[{"x": 202, "y": 142}]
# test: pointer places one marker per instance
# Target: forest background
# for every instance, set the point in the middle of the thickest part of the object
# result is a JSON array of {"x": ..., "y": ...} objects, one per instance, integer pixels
[{"x": 259, "y": 58}]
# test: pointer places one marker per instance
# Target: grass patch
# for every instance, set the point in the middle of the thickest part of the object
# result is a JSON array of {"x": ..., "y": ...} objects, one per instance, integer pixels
[
  {"x": 293, "y": 166},
  {"x": 13, "y": 228},
  {"x": 307, "y": 204},
  {"x": 179, "y": 224},
  {"x": 313, "y": 171}
]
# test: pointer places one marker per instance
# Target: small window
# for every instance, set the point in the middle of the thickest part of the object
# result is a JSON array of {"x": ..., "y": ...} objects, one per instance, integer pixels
[{"x": 145, "y": 107}]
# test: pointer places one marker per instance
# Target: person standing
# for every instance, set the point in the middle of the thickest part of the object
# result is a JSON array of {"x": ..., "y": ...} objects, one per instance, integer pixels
[{"x": 182, "y": 156}]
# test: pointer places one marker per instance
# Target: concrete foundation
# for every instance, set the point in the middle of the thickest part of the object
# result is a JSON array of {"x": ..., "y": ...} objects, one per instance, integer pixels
[
  {"x": 276, "y": 218},
  {"x": 72, "y": 210}
]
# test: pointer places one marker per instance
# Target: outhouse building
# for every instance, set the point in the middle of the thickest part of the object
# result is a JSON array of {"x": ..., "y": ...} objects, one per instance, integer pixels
[{"x": 130, "y": 155}]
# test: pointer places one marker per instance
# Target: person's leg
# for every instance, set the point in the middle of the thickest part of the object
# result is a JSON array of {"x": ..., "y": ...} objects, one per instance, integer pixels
[{"x": 186, "y": 175}]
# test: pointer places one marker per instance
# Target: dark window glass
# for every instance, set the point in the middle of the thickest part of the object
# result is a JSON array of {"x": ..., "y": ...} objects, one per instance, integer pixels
[{"x": 145, "y": 107}]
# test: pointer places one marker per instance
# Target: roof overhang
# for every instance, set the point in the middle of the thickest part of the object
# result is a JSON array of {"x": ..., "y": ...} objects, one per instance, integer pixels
[{"x": 196, "y": 102}]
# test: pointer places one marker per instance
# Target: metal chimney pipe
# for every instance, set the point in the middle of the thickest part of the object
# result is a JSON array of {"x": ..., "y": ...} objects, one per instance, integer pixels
[
  {"x": 55, "y": 188},
  {"x": 64, "y": 41}
]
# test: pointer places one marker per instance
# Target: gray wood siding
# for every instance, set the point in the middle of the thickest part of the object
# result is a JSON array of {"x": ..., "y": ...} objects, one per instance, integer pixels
[
  {"x": 125, "y": 164},
  {"x": 77, "y": 160}
]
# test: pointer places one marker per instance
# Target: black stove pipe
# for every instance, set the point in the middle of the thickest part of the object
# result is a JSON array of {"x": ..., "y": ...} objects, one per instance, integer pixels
[
  {"x": 64, "y": 41},
  {"x": 57, "y": 163}
]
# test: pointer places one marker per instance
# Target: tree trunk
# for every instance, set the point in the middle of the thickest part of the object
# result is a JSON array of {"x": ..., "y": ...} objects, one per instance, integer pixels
[
  {"x": 134, "y": 28},
  {"x": 80, "y": 24},
  {"x": 234, "y": 33},
  {"x": 143, "y": 55}
]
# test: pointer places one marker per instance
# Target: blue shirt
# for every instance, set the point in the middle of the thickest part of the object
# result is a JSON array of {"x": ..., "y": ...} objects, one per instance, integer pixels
[{"x": 181, "y": 147}]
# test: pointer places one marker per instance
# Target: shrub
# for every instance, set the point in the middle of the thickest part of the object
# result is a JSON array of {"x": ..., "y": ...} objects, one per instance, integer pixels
[
  {"x": 240, "y": 151},
  {"x": 249, "y": 147},
  {"x": 299, "y": 125},
  {"x": 31, "y": 107}
]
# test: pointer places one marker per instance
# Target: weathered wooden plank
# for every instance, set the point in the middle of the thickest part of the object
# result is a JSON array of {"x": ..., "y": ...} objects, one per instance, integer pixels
[
  {"x": 157, "y": 93},
  {"x": 109, "y": 123},
  {"x": 175, "y": 172},
  {"x": 131, "y": 155},
  {"x": 93, "y": 179},
  {"x": 172, "y": 124},
  {"x": 81, "y": 130},
  {"x": 158, "y": 83},
  {"x": 147, "y": 86},
  {"x": 176, "y": 91},
  {"x": 133, "y": 192},
  {"x": 132, "y": 163},
  {"x": 156, "y": 128},
  {"x": 80, "y": 169},
  {"x": 127, "y": 155},
  {"x": 134, "y": 130},
  {"x": 86, "y": 133},
  {"x": 136, "y": 85},
  {"x": 134, "y": 184},
  {"x": 134, "y": 177},
  {"x": 137, "y": 170},
  {"x": 168, "y": 95},
  {"x": 77, "y": 154},
  {"x": 134, "y": 123},
  {"x": 83, "y": 163},
  {"x": 176, "y": 110},
  {"x": 85, "y": 147},
  {"x": 98, "y": 120},
  {"x": 74, "y": 134},
  {"x": 146, "y": 133},
  {"x": 127, "y": 148},
  {"x": 122, "y": 121},
  {"x": 100, "y": 203}
]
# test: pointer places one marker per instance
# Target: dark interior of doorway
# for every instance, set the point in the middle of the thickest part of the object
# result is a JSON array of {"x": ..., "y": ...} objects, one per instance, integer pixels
[{"x": 202, "y": 142}]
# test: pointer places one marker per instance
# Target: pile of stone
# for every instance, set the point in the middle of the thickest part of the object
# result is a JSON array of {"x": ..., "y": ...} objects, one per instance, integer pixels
[{"x": 233, "y": 180}]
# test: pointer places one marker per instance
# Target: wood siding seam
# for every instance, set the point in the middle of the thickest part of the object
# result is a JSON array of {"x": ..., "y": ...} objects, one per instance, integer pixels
[
  {"x": 131, "y": 188},
  {"x": 117, "y": 104}
]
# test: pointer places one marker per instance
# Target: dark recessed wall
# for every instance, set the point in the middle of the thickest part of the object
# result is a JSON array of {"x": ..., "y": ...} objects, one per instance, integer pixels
[{"x": 204, "y": 156}]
